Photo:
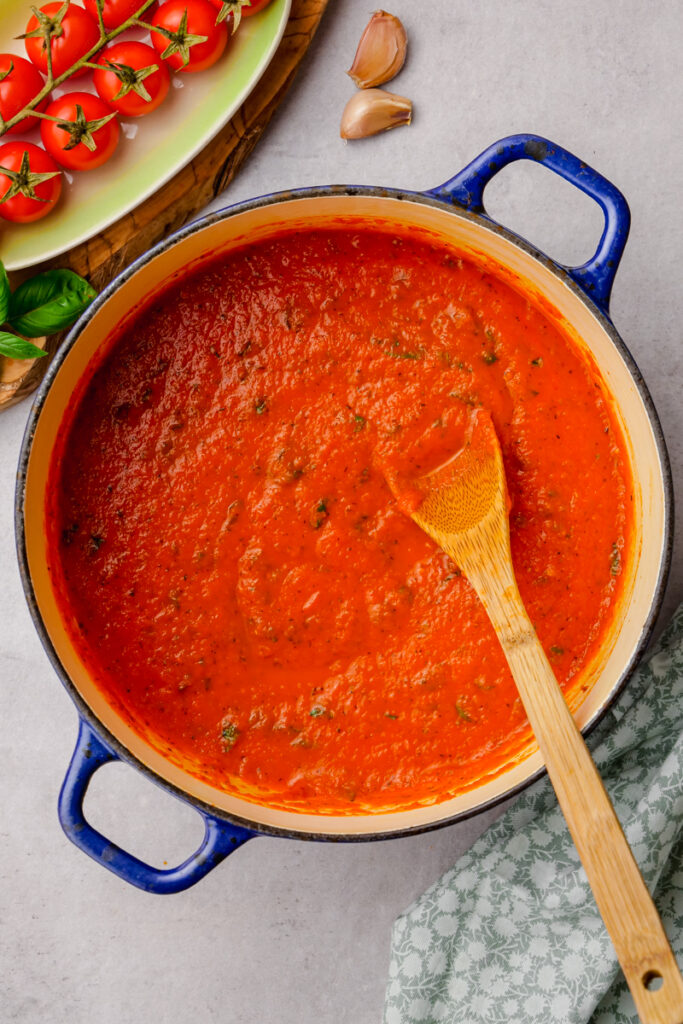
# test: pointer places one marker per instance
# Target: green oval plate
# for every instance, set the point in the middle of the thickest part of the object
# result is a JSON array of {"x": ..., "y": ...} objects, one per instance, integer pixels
[{"x": 152, "y": 149}]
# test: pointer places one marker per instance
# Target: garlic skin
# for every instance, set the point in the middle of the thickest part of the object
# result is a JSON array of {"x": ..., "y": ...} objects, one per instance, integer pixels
[
  {"x": 381, "y": 51},
  {"x": 374, "y": 110}
]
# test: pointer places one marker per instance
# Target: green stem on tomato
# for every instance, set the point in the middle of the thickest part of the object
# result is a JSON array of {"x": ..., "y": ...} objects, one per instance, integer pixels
[
  {"x": 48, "y": 55},
  {"x": 45, "y": 117},
  {"x": 100, "y": 16}
]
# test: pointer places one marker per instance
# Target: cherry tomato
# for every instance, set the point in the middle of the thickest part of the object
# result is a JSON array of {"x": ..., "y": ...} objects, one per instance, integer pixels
[
  {"x": 256, "y": 6},
  {"x": 190, "y": 39},
  {"x": 115, "y": 12},
  {"x": 133, "y": 89},
  {"x": 91, "y": 137},
  {"x": 19, "y": 83},
  {"x": 30, "y": 182},
  {"x": 74, "y": 33}
]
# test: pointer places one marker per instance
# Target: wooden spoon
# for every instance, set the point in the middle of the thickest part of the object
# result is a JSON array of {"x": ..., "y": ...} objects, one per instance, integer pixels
[{"x": 463, "y": 506}]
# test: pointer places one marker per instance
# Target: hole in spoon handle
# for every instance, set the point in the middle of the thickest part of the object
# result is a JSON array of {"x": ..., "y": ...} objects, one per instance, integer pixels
[{"x": 658, "y": 991}]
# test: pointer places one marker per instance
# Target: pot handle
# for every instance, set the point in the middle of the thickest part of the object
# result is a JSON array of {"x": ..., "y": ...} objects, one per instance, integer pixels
[
  {"x": 466, "y": 189},
  {"x": 220, "y": 838}
]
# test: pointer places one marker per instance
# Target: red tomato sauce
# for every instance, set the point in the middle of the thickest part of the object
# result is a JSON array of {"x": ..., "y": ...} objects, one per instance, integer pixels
[{"x": 241, "y": 580}]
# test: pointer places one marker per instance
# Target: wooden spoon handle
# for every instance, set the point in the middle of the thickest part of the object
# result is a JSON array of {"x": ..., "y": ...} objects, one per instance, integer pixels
[
  {"x": 463, "y": 506},
  {"x": 622, "y": 897}
]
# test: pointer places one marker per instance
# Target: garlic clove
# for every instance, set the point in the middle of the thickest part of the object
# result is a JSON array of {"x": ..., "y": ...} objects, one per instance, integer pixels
[
  {"x": 374, "y": 110},
  {"x": 381, "y": 51}
]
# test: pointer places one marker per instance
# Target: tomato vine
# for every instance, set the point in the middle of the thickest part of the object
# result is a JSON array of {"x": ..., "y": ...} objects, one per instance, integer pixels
[
  {"x": 106, "y": 35},
  {"x": 61, "y": 41}
]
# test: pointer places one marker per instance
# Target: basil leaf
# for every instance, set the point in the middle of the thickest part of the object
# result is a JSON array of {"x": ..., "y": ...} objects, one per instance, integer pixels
[
  {"x": 18, "y": 348},
  {"x": 49, "y": 302},
  {"x": 4, "y": 293}
]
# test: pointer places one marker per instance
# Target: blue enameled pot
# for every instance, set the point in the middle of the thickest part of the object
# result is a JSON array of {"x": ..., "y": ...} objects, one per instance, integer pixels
[{"x": 452, "y": 214}]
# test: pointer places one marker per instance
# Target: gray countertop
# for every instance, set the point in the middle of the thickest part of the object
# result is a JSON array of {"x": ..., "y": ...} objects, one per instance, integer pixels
[{"x": 284, "y": 930}]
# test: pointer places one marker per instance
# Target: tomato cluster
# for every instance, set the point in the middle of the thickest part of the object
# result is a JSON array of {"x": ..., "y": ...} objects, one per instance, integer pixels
[{"x": 79, "y": 130}]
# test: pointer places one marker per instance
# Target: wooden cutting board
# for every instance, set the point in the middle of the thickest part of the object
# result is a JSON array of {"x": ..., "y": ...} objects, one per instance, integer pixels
[{"x": 102, "y": 257}]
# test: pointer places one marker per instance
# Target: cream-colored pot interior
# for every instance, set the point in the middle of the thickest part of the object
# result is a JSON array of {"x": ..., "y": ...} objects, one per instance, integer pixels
[{"x": 474, "y": 238}]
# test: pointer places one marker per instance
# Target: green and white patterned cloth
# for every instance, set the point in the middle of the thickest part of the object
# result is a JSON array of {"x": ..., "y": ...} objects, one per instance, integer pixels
[{"x": 511, "y": 933}]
